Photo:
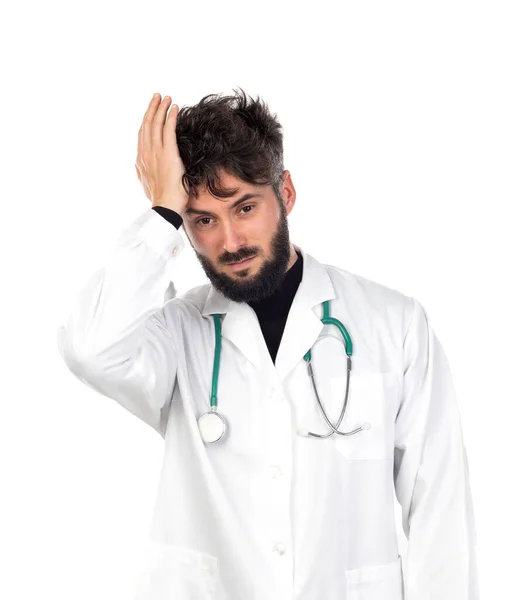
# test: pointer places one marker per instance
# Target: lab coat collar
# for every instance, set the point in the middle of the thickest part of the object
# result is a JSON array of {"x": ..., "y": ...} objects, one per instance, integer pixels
[{"x": 240, "y": 324}]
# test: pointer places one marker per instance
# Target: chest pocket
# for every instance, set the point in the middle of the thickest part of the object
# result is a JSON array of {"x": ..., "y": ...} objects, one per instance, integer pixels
[{"x": 373, "y": 400}]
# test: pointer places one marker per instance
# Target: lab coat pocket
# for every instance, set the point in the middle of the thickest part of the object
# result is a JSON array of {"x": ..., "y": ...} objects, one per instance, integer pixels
[
  {"x": 176, "y": 572},
  {"x": 372, "y": 401},
  {"x": 376, "y": 582}
]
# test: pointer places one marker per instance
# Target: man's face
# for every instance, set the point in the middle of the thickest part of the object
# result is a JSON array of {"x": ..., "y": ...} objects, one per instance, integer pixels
[{"x": 223, "y": 232}]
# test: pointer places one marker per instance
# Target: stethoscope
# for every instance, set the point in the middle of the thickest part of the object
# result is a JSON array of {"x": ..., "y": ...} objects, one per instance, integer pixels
[{"x": 212, "y": 424}]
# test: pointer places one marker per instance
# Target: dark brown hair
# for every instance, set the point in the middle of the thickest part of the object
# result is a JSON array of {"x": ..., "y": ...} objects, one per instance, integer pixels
[{"x": 234, "y": 133}]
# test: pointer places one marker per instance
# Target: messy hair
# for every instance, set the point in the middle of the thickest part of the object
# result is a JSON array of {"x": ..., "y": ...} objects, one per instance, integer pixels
[{"x": 236, "y": 134}]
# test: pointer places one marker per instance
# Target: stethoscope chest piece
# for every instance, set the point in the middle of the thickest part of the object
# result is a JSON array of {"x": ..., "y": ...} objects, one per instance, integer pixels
[{"x": 212, "y": 426}]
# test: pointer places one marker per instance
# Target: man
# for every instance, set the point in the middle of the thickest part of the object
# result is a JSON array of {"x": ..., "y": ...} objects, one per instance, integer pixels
[{"x": 256, "y": 500}]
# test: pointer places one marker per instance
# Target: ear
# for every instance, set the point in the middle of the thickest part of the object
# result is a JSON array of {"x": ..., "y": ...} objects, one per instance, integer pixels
[{"x": 288, "y": 192}]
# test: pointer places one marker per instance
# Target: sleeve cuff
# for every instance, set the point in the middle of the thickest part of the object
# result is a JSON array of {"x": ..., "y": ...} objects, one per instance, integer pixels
[{"x": 170, "y": 215}]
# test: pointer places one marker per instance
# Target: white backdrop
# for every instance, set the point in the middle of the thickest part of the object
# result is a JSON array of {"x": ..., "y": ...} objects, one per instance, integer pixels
[{"x": 399, "y": 133}]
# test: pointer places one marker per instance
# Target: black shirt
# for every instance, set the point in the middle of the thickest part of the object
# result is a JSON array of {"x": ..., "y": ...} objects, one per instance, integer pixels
[{"x": 271, "y": 312}]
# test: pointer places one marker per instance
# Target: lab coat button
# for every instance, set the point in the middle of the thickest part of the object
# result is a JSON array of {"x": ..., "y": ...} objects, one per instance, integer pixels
[
  {"x": 280, "y": 548},
  {"x": 275, "y": 393},
  {"x": 275, "y": 471},
  {"x": 209, "y": 563},
  {"x": 174, "y": 251}
]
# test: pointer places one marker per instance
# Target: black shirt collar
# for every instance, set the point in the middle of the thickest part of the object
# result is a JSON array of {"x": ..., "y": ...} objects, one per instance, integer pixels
[{"x": 280, "y": 302}]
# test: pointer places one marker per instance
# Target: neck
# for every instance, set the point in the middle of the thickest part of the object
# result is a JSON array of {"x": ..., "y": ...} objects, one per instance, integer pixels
[{"x": 293, "y": 257}]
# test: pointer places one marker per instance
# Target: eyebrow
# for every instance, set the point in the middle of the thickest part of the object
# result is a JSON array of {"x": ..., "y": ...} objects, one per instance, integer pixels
[{"x": 196, "y": 211}]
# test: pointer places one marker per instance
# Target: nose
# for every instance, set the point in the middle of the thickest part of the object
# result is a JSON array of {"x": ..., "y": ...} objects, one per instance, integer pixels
[{"x": 233, "y": 240}]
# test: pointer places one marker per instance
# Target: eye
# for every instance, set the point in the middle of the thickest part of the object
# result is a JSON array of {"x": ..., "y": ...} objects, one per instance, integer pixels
[{"x": 200, "y": 224}]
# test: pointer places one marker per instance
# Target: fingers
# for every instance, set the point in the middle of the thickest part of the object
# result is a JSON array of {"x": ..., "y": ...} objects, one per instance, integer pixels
[
  {"x": 145, "y": 132},
  {"x": 158, "y": 165},
  {"x": 154, "y": 132},
  {"x": 169, "y": 137},
  {"x": 158, "y": 122}
]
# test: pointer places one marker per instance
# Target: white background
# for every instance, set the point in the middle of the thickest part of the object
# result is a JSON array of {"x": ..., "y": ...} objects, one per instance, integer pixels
[{"x": 399, "y": 133}]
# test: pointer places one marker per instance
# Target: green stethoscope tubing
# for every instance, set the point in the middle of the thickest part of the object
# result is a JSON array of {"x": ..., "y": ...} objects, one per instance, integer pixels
[
  {"x": 326, "y": 320},
  {"x": 216, "y": 366}
]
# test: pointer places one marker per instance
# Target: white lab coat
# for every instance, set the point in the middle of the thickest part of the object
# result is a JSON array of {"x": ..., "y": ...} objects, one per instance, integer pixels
[{"x": 265, "y": 513}]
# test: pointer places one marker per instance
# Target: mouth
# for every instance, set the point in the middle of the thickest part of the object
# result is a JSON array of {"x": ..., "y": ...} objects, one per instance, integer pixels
[{"x": 241, "y": 263}]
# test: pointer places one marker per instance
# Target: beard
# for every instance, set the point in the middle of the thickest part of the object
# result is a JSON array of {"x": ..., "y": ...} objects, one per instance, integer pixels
[{"x": 268, "y": 279}]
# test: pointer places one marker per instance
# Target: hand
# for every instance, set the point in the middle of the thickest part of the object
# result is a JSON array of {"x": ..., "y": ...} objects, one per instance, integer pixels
[{"x": 158, "y": 163}]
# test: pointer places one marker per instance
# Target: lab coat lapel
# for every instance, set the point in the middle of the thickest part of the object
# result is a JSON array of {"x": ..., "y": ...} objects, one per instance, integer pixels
[
  {"x": 240, "y": 324},
  {"x": 304, "y": 324}
]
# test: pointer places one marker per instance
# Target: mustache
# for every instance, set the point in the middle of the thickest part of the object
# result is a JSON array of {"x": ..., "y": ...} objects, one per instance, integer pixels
[{"x": 233, "y": 259}]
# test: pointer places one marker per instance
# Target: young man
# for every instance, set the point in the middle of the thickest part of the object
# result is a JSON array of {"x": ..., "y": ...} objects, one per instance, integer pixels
[{"x": 279, "y": 456}]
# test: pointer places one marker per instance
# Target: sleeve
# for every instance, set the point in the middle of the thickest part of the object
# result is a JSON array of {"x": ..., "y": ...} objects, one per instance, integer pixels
[
  {"x": 431, "y": 473},
  {"x": 115, "y": 338},
  {"x": 170, "y": 215}
]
